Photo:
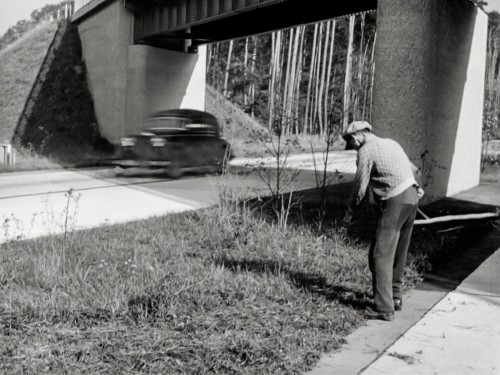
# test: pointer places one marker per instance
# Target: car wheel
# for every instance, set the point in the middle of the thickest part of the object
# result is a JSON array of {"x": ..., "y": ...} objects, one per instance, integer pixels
[
  {"x": 118, "y": 172},
  {"x": 174, "y": 170}
]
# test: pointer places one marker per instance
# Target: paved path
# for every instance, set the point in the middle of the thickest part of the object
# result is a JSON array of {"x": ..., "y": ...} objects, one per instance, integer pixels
[
  {"x": 459, "y": 335},
  {"x": 342, "y": 161}
]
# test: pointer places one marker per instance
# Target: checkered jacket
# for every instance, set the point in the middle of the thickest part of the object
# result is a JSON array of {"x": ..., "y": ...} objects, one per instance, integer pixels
[{"x": 382, "y": 165}]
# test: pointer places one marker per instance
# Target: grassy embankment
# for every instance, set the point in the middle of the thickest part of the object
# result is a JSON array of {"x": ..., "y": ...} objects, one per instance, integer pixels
[
  {"x": 491, "y": 168},
  {"x": 58, "y": 126},
  {"x": 19, "y": 66}
]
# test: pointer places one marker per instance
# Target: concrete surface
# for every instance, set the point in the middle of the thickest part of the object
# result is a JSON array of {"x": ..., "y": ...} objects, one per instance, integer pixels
[
  {"x": 485, "y": 193},
  {"x": 129, "y": 81},
  {"x": 436, "y": 333},
  {"x": 160, "y": 79},
  {"x": 368, "y": 342},
  {"x": 429, "y": 87},
  {"x": 105, "y": 38},
  {"x": 460, "y": 335},
  {"x": 343, "y": 162}
]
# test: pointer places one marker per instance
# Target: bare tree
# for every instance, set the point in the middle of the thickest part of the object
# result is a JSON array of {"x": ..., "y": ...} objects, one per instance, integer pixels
[
  {"x": 329, "y": 74},
  {"x": 298, "y": 80},
  {"x": 322, "y": 80},
  {"x": 228, "y": 67},
  {"x": 252, "y": 72},
  {"x": 307, "y": 120},
  {"x": 348, "y": 77}
]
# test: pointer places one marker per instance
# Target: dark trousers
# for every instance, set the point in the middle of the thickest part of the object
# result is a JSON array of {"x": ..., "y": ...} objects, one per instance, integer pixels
[{"x": 387, "y": 256}]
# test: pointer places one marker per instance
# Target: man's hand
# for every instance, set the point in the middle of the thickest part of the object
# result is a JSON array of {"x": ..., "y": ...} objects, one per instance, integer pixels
[
  {"x": 420, "y": 192},
  {"x": 348, "y": 219}
]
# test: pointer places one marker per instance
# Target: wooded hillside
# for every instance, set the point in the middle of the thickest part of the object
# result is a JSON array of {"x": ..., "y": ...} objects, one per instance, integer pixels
[
  {"x": 301, "y": 80},
  {"x": 315, "y": 78},
  {"x": 46, "y": 14}
]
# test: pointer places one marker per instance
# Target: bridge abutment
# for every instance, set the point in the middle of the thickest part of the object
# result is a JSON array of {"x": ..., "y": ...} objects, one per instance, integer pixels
[
  {"x": 429, "y": 87},
  {"x": 105, "y": 37},
  {"x": 129, "y": 81},
  {"x": 161, "y": 79}
]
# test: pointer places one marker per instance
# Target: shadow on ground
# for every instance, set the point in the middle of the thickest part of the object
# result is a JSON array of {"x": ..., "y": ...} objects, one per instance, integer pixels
[
  {"x": 460, "y": 246},
  {"x": 315, "y": 284}
]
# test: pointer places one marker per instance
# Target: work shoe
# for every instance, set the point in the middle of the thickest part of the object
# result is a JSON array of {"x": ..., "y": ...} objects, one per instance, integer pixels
[
  {"x": 398, "y": 304},
  {"x": 371, "y": 314}
]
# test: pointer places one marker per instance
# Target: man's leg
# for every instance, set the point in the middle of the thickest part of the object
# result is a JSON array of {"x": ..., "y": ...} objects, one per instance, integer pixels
[
  {"x": 382, "y": 255},
  {"x": 409, "y": 211}
]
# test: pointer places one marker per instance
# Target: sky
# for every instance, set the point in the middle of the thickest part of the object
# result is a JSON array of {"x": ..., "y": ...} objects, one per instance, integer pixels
[
  {"x": 492, "y": 5},
  {"x": 12, "y": 11}
]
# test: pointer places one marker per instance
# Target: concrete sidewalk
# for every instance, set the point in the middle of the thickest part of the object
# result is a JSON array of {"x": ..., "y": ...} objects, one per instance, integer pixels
[
  {"x": 439, "y": 331},
  {"x": 459, "y": 335}
]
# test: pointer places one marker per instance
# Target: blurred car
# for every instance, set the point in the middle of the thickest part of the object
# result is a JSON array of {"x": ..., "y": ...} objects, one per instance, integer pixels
[{"x": 178, "y": 141}]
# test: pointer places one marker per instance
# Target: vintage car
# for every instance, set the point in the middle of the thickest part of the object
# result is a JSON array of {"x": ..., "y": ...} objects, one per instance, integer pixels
[{"x": 177, "y": 141}]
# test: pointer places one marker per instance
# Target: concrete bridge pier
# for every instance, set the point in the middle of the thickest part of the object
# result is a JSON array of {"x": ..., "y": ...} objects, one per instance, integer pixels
[
  {"x": 162, "y": 79},
  {"x": 428, "y": 88},
  {"x": 129, "y": 81}
]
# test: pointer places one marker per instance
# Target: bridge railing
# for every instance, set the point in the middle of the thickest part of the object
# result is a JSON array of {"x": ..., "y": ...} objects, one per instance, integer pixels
[{"x": 80, "y": 3}]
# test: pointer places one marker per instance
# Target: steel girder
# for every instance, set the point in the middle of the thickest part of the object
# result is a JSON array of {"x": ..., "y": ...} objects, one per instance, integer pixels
[{"x": 173, "y": 23}]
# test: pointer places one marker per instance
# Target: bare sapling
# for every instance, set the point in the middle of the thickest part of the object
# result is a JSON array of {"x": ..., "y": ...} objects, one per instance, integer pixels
[
  {"x": 276, "y": 174},
  {"x": 325, "y": 177}
]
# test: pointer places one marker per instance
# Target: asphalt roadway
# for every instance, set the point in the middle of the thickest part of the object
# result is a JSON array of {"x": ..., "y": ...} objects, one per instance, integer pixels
[{"x": 39, "y": 203}]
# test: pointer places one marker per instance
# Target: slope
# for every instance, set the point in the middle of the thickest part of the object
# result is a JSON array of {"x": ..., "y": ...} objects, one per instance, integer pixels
[
  {"x": 19, "y": 66},
  {"x": 243, "y": 132}
]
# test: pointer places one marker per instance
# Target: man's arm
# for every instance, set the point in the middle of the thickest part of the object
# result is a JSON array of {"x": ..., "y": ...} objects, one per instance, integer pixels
[
  {"x": 416, "y": 172},
  {"x": 361, "y": 181},
  {"x": 417, "y": 175}
]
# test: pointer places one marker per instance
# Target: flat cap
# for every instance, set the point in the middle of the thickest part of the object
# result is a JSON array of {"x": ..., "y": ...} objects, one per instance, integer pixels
[{"x": 355, "y": 127}]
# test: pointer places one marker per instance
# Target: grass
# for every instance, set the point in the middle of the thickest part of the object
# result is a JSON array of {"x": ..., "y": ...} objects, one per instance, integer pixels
[
  {"x": 491, "y": 173},
  {"x": 225, "y": 290},
  {"x": 491, "y": 168},
  {"x": 27, "y": 162},
  {"x": 19, "y": 65}
]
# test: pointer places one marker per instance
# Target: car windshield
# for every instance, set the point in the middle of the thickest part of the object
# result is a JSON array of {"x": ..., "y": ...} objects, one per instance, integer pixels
[{"x": 167, "y": 122}]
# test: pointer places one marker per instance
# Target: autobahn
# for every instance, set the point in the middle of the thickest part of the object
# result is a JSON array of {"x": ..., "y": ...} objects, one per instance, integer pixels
[{"x": 39, "y": 203}]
